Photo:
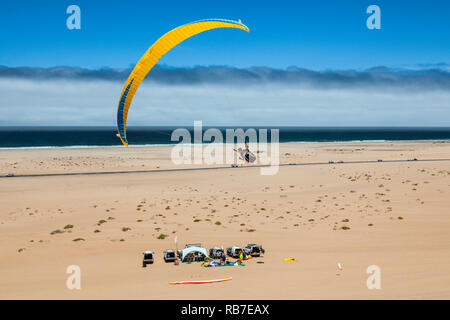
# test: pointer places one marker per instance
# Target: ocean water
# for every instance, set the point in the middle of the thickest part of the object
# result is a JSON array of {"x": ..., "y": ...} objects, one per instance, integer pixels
[{"x": 28, "y": 137}]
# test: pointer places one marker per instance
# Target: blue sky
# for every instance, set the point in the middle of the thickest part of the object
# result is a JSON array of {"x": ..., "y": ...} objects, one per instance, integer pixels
[
  {"x": 327, "y": 40},
  {"x": 316, "y": 35}
]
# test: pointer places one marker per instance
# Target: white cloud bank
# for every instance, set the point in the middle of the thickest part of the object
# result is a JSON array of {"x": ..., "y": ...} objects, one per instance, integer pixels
[{"x": 75, "y": 102}]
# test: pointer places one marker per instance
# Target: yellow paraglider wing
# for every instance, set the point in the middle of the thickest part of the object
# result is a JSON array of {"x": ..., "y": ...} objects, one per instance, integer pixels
[{"x": 151, "y": 57}]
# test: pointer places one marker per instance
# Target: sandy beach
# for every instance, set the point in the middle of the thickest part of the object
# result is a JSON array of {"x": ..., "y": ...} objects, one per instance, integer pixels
[{"x": 392, "y": 215}]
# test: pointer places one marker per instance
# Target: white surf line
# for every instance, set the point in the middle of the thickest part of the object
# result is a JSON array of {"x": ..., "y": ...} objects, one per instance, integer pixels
[{"x": 214, "y": 168}]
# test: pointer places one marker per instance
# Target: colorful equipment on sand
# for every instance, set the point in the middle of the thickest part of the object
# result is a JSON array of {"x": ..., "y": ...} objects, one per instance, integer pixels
[
  {"x": 290, "y": 259},
  {"x": 226, "y": 264},
  {"x": 244, "y": 256},
  {"x": 201, "y": 281}
]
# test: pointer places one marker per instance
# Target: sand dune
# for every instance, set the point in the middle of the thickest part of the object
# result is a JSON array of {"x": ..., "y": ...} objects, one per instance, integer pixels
[{"x": 393, "y": 215}]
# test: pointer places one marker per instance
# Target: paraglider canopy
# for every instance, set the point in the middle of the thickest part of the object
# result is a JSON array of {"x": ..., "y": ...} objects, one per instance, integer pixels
[{"x": 152, "y": 56}]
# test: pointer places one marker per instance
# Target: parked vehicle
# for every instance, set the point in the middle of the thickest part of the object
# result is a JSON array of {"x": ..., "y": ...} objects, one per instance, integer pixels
[
  {"x": 340, "y": 161},
  {"x": 215, "y": 253},
  {"x": 148, "y": 258},
  {"x": 10, "y": 175},
  {"x": 331, "y": 161},
  {"x": 169, "y": 255},
  {"x": 380, "y": 160},
  {"x": 255, "y": 250},
  {"x": 412, "y": 159},
  {"x": 234, "y": 251}
]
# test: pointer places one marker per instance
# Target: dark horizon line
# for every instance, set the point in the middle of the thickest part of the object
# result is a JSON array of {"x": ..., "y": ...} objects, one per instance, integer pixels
[{"x": 220, "y": 127}]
